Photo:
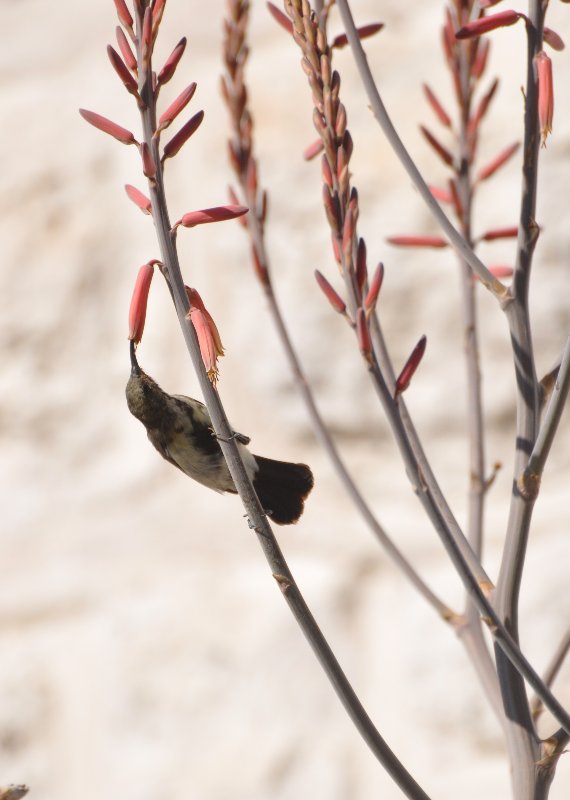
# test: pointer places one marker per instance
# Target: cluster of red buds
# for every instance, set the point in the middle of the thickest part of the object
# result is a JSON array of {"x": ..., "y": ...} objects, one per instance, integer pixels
[
  {"x": 136, "y": 36},
  {"x": 340, "y": 199},
  {"x": 464, "y": 43}
]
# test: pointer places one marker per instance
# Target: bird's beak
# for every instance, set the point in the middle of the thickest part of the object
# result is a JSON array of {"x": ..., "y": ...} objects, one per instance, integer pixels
[{"x": 135, "y": 369}]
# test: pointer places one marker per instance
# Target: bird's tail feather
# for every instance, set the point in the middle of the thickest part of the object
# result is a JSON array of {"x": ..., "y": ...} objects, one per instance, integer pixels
[{"x": 282, "y": 488}]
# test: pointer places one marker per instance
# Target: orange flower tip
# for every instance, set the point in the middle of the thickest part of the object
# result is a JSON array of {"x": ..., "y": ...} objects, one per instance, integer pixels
[
  {"x": 280, "y": 17},
  {"x": 171, "y": 62},
  {"x": 108, "y": 126},
  {"x": 172, "y": 147},
  {"x": 364, "y": 32},
  {"x": 545, "y": 94},
  {"x": 417, "y": 241},
  {"x": 313, "y": 150},
  {"x": 500, "y": 233},
  {"x": 334, "y": 299},
  {"x": 553, "y": 39},
  {"x": 206, "y": 215},
  {"x": 124, "y": 14},
  {"x": 374, "y": 290},
  {"x": 363, "y": 335},
  {"x": 485, "y": 24},
  {"x": 139, "y": 299},
  {"x": 138, "y": 198},
  {"x": 404, "y": 378},
  {"x": 177, "y": 106}
]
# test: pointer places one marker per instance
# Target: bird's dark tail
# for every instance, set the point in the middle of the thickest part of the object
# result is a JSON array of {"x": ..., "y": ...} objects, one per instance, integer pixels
[{"x": 282, "y": 488}]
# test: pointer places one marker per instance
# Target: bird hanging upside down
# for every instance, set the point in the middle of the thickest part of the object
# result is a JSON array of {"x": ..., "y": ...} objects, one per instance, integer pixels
[{"x": 181, "y": 430}]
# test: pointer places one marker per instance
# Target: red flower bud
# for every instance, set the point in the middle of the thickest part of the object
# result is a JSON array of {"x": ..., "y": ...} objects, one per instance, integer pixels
[
  {"x": 363, "y": 32},
  {"x": 280, "y": 17},
  {"x": 205, "y": 215},
  {"x": 404, "y": 378},
  {"x": 439, "y": 110},
  {"x": 177, "y": 106},
  {"x": 139, "y": 199},
  {"x": 417, "y": 241},
  {"x": 185, "y": 132},
  {"x": 374, "y": 290},
  {"x": 108, "y": 126},
  {"x": 137, "y": 310},
  {"x": 363, "y": 335},
  {"x": 498, "y": 162},
  {"x": 124, "y": 14},
  {"x": 484, "y": 24},
  {"x": 171, "y": 63},
  {"x": 334, "y": 299}
]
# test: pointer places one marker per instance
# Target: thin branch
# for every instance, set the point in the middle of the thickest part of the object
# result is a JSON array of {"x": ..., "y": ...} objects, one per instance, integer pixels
[{"x": 551, "y": 671}]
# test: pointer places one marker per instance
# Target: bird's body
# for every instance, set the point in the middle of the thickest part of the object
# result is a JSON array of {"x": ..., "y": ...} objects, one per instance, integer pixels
[{"x": 181, "y": 430}]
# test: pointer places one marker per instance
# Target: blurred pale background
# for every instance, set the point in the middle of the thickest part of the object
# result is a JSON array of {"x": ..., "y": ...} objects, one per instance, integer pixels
[{"x": 146, "y": 653}]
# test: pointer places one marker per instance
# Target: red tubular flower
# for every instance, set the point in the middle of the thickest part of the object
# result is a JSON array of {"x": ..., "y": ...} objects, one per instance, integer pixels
[
  {"x": 545, "y": 94},
  {"x": 137, "y": 310},
  {"x": 125, "y": 49},
  {"x": 313, "y": 150},
  {"x": 404, "y": 378},
  {"x": 442, "y": 151},
  {"x": 122, "y": 71},
  {"x": 553, "y": 39},
  {"x": 500, "y": 233},
  {"x": 124, "y": 14},
  {"x": 485, "y": 24},
  {"x": 211, "y": 347}
]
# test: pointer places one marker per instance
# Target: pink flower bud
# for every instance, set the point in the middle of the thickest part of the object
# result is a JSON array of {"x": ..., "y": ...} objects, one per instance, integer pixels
[
  {"x": 500, "y": 233},
  {"x": 485, "y": 24},
  {"x": 205, "y": 215},
  {"x": 124, "y": 14},
  {"x": 137, "y": 310},
  {"x": 334, "y": 299},
  {"x": 149, "y": 167},
  {"x": 417, "y": 241},
  {"x": 404, "y": 378},
  {"x": 545, "y": 94},
  {"x": 177, "y": 106},
  {"x": 139, "y": 199},
  {"x": 125, "y": 49},
  {"x": 122, "y": 71},
  {"x": 363, "y": 335},
  {"x": 171, "y": 63},
  {"x": 179, "y": 139},
  {"x": 440, "y": 194},
  {"x": 361, "y": 266},
  {"x": 438, "y": 109},
  {"x": 313, "y": 150},
  {"x": 374, "y": 290},
  {"x": 107, "y": 126},
  {"x": 280, "y": 17},
  {"x": 497, "y": 162},
  {"x": 442, "y": 151},
  {"x": 553, "y": 39},
  {"x": 363, "y": 32},
  {"x": 157, "y": 12}
]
